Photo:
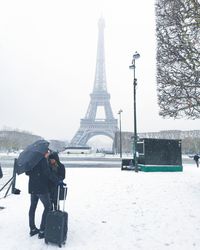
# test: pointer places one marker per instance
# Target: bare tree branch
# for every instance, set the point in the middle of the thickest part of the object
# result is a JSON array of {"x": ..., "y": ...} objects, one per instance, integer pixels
[{"x": 178, "y": 58}]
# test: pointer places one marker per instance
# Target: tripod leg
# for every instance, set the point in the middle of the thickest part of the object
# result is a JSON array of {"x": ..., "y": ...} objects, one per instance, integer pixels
[
  {"x": 14, "y": 175},
  {"x": 8, "y": 188},
  {"x": 6, "y": 183},
  {"x": 12, "y": 181}
]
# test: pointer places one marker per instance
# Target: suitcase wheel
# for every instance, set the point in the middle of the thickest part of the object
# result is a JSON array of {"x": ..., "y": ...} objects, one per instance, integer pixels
[
  {"x": 46, "y": 241},
  {"x": 60, "y": 245}
]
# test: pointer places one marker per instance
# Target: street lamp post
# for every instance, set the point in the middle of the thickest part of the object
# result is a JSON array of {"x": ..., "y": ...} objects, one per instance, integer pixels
[
  {"x": 120, "y": 133},
  {"x": 135, "y": 57}
]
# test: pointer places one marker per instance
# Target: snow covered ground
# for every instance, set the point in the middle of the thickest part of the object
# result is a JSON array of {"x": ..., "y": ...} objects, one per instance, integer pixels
[{"x": 110, "y": 209}]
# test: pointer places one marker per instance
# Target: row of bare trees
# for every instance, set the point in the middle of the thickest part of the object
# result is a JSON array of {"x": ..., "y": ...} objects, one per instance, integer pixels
[
  {"x": 15, "y": 140},
  {"x": 190, "y": 140}
]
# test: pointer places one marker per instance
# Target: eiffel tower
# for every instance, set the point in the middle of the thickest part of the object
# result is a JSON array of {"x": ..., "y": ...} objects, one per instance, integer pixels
[{"x": 90, "y": 125}]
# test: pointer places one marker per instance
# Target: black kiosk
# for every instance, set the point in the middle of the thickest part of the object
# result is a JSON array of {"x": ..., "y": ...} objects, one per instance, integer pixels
[{"x": 159, "y": 155}]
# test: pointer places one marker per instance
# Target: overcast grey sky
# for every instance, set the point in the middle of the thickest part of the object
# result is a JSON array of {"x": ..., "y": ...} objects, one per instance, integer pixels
[{"x": 48, "y": 57}]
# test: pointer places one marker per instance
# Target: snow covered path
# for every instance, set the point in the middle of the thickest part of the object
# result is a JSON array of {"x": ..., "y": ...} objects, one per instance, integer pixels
[{"x": 110, "y": 209}]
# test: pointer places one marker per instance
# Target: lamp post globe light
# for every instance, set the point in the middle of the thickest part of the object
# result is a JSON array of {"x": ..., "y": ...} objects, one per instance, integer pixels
[
  {"x": 120, "y": 133},
  {"x": 133, "y": 66}
]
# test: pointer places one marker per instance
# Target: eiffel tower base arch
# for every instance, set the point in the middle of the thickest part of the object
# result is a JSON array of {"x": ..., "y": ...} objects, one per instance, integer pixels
[{"x": 84, "y": 134}]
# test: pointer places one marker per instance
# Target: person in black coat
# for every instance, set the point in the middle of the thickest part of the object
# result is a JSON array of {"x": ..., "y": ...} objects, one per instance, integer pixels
[
  {"x": 1, "y": 172},
  {"x": 59, "y": 170},
  {"x": 38, "y": 188},
  {"x": 196, "y": 159}
]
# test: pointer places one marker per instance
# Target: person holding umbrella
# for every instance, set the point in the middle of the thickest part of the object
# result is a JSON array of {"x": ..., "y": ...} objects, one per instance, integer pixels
[
  {"x": 59, "y": 169},
  {"x": 33, "y": 161}
]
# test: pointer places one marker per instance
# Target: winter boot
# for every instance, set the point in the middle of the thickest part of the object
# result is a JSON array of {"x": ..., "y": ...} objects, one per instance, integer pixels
[
  {"x": 41, "y": 235},
  {"x": 34, "y": 231}
]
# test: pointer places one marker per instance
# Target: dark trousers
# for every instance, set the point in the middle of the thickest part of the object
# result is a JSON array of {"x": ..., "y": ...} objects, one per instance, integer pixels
[
  {"x": 54, "y": 205},
  {"x": 54, "y": 197},
  {"x": 45, "y": 199},
  {"x": 197, "y": 162}
]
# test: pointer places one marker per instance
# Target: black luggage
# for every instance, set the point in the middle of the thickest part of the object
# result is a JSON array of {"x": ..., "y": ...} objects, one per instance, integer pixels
[{"x": 56, "y": 225}]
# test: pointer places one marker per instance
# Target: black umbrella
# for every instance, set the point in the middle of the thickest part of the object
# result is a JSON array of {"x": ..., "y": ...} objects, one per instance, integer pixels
[{"x": 31, "y": 155}]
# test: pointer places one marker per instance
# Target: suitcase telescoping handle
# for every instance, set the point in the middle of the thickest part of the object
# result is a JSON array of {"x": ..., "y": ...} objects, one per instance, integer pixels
[{"x": 58, "y": 200}]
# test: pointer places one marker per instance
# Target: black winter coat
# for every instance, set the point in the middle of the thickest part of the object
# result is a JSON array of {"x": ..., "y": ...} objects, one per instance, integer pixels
[
  {"x": 60, "y": 173},
  {"x": 196, "y": 157},
  {"x": 39, "y": 178}
]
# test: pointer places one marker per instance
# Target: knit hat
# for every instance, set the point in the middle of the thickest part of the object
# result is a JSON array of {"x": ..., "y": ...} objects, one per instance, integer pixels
[{"x": 54, "y": 155}]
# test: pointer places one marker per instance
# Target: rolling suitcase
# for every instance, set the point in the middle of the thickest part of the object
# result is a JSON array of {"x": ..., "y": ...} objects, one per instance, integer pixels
[{"x": 57, "y": 224}]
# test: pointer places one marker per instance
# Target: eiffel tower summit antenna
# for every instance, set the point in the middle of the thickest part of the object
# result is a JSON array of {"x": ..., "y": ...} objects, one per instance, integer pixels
[{"x": 91, "y": 126}]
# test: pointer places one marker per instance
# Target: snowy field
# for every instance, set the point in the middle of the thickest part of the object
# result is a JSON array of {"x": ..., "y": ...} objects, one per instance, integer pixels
[{"x": 110, "y": 209}]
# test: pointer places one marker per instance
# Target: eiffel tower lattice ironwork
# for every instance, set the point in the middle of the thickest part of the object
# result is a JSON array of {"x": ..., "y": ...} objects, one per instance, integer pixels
[{"x": 91, "y": 126}]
